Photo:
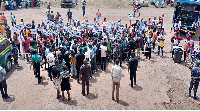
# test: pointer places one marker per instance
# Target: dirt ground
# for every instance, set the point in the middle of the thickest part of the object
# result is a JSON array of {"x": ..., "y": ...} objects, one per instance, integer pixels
[{"x": 161, "y": 83}]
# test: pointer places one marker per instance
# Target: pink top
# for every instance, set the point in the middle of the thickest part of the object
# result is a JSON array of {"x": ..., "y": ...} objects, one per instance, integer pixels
[{"x": 103, "y": 51}]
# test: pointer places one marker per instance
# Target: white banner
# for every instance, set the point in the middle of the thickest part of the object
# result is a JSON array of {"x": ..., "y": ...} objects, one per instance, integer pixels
[
  {"x": 130, "y": 15},
  {"x": 14, "y": 29},
  {"x": 33, "y": 31}
]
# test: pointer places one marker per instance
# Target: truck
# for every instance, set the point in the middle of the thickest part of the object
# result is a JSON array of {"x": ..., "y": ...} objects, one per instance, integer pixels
[
  {"x": 186, "y": 15},
  {"x": 66, "y": 3},
  {"x": 159, "y": 3},
  {"x": 5, "y": 54}
]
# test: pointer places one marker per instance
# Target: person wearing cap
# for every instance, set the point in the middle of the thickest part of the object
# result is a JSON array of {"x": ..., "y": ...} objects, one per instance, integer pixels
[
  {"x": 195, "y": 78},
  {"x": 116, "y": 74},
  {"x": 3, "y": 85},
  {"x": 35, "y": 61},
  {"x": 85, "y": 73},
  {"x": 132, "y": 66}
]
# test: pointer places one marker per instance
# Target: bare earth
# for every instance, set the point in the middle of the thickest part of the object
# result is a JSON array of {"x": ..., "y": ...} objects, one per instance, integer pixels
[{"x": 162, "y": 84}]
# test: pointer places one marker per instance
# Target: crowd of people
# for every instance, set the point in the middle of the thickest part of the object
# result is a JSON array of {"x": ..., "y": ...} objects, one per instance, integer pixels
[
  {"x": 74, "y": 50},
  {"x": 15, "y": 4}
]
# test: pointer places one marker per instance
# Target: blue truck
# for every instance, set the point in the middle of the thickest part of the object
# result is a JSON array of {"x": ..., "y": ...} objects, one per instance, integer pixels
[{"x": 186, "y": 14}]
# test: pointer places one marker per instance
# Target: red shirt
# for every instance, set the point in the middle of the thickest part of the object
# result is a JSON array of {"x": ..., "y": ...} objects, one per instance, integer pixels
[
  {"x": 4, "y": 18},
  {"x": 103, "y": 22},
  {"x": 25, "y": 43}
]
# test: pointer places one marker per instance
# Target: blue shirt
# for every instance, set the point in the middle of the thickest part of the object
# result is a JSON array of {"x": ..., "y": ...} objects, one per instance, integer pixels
[{"x": 95, "y": 49}]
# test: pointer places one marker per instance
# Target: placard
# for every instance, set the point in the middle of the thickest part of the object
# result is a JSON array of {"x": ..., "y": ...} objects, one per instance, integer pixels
[
  {"x": 45, "y": 19},
  {"x": 76, "y": 19},
  {"x": 28, "y": 25},
  {"x": 130, "y": 15},
  {"x": 60, "y": 19},
  {"x": 33, "y": 31},
  {"x": 14, "y": 29}
]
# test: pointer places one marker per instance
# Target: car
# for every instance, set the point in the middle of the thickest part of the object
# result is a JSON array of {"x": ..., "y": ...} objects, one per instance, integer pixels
[{"x": 5, "y": 54}]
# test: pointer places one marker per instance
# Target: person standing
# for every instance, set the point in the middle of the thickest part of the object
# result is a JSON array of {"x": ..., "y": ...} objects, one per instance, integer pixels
[
  {"x": 65, "y": 85},
  {"x": 17, "y": 43},
  {"x": 3, "y": 85},
  {"x": 133, "y": 63},
  {"x": 26, "y": 44},
  {"x": 116, "y": 74},
  {"x": 95, "y": 55},
  {"x": 154, "y": 38},
  {"x": 108, "y": 43},
  {"x": 98, "y": 15},
  {"x": 83, "y": 7},
  {"x": 195, "y": 78},
  {"x": 79, "y": 62},
  {"x": 72, "y": 62},
  {"x": 85, "y": 72},
  {"x": 35, "y": 61},
  {"x": 103, "y": 56},
  {"x": 161, "y": 39},
  {"x": 13, "y": 20},
  {"x": 49, "y": 7},
  {"x": 50, "y": 60},
  {"x": 55, "y": 76},
  {"x": 76, "y": 4},
  {"x": 69, "y": 15}
]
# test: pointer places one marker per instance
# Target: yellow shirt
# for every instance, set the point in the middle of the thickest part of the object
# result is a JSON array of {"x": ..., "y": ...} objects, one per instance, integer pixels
[{"x": 26, "y": 33}]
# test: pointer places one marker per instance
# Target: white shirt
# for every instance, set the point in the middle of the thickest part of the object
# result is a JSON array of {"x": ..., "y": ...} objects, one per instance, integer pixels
[
  {"x": 103, "y": 51},
  {"x": 50, "y": 56},
  {"x": 116, "y": 73}
]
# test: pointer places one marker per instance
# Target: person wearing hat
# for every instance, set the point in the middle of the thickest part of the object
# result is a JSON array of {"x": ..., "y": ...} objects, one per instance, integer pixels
[
  {"x": 195, "y": 78},
  {"x": 116, "y": 74},
  {"x": 35, "y": 61},
  {"x": 132, "y": 66}
]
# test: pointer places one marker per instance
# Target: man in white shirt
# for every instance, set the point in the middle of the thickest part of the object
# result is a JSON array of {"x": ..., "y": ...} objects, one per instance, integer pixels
[
  {"x": 103, "y": 56},
  {"x": 51, "y": 61},
  {"x": 116, "y": 74}
]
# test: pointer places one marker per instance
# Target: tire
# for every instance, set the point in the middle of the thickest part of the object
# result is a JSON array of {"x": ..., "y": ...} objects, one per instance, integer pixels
[
  {"x": 8, "y": 66},
  {"x": 62, "y": 5}
]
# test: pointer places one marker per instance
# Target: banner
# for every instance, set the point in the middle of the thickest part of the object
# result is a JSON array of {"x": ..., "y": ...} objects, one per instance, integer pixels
[
  {"x": 14, "y": 29},
  {"x": 28, "y": 25},
  {"x": 60, "y": 19},
  {"x": 33, "y": 31},
  {"x": 130, "y": 15}
]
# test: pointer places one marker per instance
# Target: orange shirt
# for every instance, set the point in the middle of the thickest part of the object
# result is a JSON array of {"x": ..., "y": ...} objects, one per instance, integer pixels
[{"x": 154, "y": 36}]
